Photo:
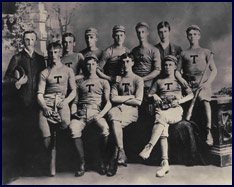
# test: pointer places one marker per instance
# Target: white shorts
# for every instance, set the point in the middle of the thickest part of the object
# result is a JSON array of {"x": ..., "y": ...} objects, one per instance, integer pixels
[
  {"x": 125, "y": 114},
  {"x": 167, "y": 117},
  {"x": 77, "y": 126}
]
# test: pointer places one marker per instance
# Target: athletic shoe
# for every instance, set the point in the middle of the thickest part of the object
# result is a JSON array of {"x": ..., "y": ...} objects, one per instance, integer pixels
[{"x": 145, "y": 153}]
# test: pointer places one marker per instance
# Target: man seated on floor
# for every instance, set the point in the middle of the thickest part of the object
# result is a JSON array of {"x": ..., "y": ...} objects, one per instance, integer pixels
[
  {"x": 167, "y": 95},
  {"x": 126, "y": 95}
]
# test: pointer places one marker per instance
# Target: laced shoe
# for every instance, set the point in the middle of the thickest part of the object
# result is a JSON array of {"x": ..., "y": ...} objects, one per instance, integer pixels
[
  {"x": 164, "y": 169},
  {"x": 122, "y": 157},
  {"x": 145, "y": 153},
  {"x": 80, "y": 172}
]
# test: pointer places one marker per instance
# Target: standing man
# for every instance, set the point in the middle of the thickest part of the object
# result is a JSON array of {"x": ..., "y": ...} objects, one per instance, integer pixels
[
  {"x": 165, "y": 47},
  {"x": 70, "y": 58},
  {"x": 91, "y": 41},
  {"x": 126, "y": 96},
  {"x": 147, "y": 62},
  {"x": 55, "y": 80},
  {"x": 109, "y": 65},
  {"x": 27, "y": 64},
  {"x": 193, "y": 62},
  {"x": 92, "y": 94}
]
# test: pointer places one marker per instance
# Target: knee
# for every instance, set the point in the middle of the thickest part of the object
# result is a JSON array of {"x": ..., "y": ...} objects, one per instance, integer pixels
[
  {"x": 76, "y": 132},
  {"x": 65, "y": 123},
  {"x": 104, "y": 127},
  {"x": 111, "y": 114}
]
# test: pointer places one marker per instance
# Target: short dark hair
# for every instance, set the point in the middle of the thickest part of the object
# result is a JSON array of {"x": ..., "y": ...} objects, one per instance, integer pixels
[
  {"x": 164, "y": 24},
  {"x": 127, "y": 55},
  {"x": 29, "y": 32},
  {"x": 54, "y": 45},
  {"x": 68, "y": 34}
]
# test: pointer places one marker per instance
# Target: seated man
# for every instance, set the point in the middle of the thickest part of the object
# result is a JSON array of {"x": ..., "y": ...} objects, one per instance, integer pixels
[
  {"x": 92, "y": 94},
  {"x": 126, "y": 95},
  {"x": 54, "y": 80},
  {"x": 167, "y": 94}
]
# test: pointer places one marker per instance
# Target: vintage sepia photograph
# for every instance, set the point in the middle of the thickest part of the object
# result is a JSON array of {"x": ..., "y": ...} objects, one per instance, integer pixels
[{"x": 116, "y": 93}]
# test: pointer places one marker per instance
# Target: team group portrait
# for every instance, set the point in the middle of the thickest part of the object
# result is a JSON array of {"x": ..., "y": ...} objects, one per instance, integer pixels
[{"x": 116, "y": 93}]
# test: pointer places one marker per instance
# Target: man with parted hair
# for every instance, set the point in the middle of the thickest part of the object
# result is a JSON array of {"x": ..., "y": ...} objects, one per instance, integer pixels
[
  {"x": 193, "y": 62},
  {"x": 70, "y": 58},
  {"x": 22, "y": 75},
  {"x": 165, "y": 47},
  {"x": 126, "y": 96},
  {"x": 54, "y": 83}
]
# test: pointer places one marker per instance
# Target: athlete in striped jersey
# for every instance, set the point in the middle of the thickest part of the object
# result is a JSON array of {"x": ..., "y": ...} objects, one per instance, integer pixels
[
  {"x": 109, "y": 65},
  {"x": 91, "y": 40},
  {"x": 70, "y": 58}
]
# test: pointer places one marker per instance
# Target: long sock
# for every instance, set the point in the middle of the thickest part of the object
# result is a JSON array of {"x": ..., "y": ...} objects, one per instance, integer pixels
[
  {"x": 118, "y": 132},
  {"x": 164, "y": 148},
  {"x": 102, "y": 144},
  {"x": 208, "y": 114},
  {"x": 47, "y": 153},
  {"x": 156, "y": 133},
  {"x": 79, "y": 148},
  {"x": 47, "y": 142}
]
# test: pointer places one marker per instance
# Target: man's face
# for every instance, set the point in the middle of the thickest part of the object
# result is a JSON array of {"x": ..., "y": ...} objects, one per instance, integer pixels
[
  {"x": 119, "y": 37},
  {"x": 68, "y": 44},
  {"x": 169, "y": 67},
  {"x": 29, "y": 41},
  {"x": 127, "y": 64},
  {"x": 193, "y": 36},
  {"x": 91, "y": 40},
  {"x": 164, "y": 34},
  {"x": 142, "y": 33},
  {"x": 54, "y": 55},
  {"x": 11, "y": 19},
  {"x": 91, "y": 65}
]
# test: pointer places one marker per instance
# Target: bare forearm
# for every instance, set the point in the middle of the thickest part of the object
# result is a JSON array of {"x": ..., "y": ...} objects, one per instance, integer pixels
[
  {"x": 122, "y": 99},
  {"x": 105, "y": 109},
  {"x": 102, "y": 75},
  {"x": 41, "y": 101},
  {"x": 71, "y": 96},
  {"x": 79, "y": 77},
  {"x": 186, "y": 98},
  {"x": 134, "y": 102},
  {"x": 212, "y": 76},
  {"x": 152, "y": 75},
  {"x": 73, "y": 108}
]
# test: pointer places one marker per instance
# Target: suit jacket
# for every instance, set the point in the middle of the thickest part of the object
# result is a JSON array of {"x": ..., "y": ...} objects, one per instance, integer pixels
[{"x": 32, "y": 67}]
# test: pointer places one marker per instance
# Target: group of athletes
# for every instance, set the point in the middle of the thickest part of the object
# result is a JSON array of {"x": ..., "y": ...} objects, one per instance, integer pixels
[{"x": 108, "y": 88}]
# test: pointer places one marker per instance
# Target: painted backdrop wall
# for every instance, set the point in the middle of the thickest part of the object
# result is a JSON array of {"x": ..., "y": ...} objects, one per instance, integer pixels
[{"x": 214, "y": 19}]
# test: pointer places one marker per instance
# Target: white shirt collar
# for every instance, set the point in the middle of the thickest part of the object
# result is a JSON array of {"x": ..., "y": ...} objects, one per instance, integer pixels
[
  {"x": 27, "y": 51},
  {"x": 164, "y": 45}
]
